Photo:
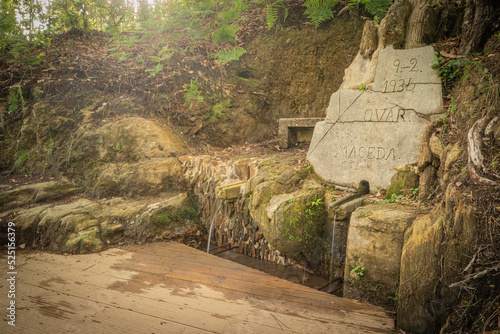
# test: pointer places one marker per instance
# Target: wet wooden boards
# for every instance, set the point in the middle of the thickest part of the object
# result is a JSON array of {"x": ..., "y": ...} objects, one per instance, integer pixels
[{"x": 171, "y": 288}]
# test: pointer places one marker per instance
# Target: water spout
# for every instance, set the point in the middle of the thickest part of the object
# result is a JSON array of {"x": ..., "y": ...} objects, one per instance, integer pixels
[
  {"x": 213, "y": 220},
  {"x": 332, "y": 248}
]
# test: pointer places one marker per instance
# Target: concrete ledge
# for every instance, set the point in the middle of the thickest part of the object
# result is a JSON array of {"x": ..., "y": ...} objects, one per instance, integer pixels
[
  {"x": 293, "y": 130},
  {"x": 230, "y": 191}
]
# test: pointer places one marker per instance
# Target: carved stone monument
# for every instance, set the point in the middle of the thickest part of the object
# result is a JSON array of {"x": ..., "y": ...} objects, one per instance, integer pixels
[{"x": 368, "y": 133}]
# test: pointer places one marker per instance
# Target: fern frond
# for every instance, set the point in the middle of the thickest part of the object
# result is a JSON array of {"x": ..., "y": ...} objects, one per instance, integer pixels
[
  {"x": 192, "y": 93},
  {"x": 16, "y": 99},
  {"x": 378, "y": 8},
  {"x": 319, "y": 11},
  {"x": 226, "y": 33},
  {"x": 272, "y": 13},
  {"x": 224, "y": 56}
]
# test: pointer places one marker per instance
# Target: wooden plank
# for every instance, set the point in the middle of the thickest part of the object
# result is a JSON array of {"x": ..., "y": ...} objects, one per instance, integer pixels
[
  {"x": 276, "y": 292},
  {"x": 182, "y": 287},
  {"x": 44, "y": 311},
  {"x": 100, "y": 282},
  {"x": 239, "y": 287}
]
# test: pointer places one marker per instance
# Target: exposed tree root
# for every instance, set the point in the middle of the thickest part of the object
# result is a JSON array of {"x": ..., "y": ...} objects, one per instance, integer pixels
[{"x": 475, "y": 158}]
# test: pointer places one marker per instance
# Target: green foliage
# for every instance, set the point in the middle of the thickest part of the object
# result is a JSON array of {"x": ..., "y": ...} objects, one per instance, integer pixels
[
  {"x": 169, "y": 217},
  {"x": 225, "y": 34},
  {"x": 314, "y": 207},
  {"x": 453, "y": 106},
  {"x": 362, "y": 87},
  {"x": 308, "y": 167},
  {"x": 319, "y": 11},
  {"x": 377, "y": 8},
  {"x": 274, "y": 11},
  {"x": 220, "y": 109},
  {"x": 393, "y": 199},
  {"x": 359, "y": 270},
  {"x": 316, "y": 202},
  {"x": 163, "y": 55},
  {"x": 413, "y": 192},
  {"x": 34, "y": 61},
  {"x": 9, "y": 27},
  {"x": 16, "y": 99},
  {"x": 396, "y": 296},
  {"x": 291, "y": 200},
  {"x": 450, "y": 69},
  {"x": 224, "y": 56},
  {"x": 154, "y": 71},
  {"x": 22, "y": 156},
  {"x": 192, "y": 93}
]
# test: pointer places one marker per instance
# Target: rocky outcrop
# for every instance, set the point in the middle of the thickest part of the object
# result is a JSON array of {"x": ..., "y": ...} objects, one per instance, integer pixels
[
  {"x": 436, "y": 252},
  {"x": 131, "y": 157},
  {"x": 374, "y": 246},
  {"x": 85, "y": 226},
  {"x": 37, "y": 193},
  {"x": 123, "y": 155},
  {"x": 420, "y": 271}
]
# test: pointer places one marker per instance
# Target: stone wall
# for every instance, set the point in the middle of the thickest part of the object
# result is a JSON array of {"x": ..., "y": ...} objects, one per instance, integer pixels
[
  {"x": 273, "y": 208},
  {"x": 230, "y": 217}
]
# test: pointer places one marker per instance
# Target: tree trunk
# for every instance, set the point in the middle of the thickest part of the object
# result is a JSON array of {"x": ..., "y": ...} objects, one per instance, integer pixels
[
  {"x": 479, "y": 21},
  {"x": 423, "y": 23}
]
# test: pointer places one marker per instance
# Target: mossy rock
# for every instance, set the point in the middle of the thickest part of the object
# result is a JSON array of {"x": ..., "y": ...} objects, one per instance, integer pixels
[
  {"x": 174, "y": 215},
  {"x": 295, "y": 225},
  {"x": 403, "y": 183},
  {"x": 420, "y": 272},
  {"x": 83, "y": 242},
  {"x": 264, "y": 191},
  {"x": 373, "y": 252},
  {"x": 149, "y": 178},
  {"x": 86, "y": 226},
  {"x": 129, "y": 140}
]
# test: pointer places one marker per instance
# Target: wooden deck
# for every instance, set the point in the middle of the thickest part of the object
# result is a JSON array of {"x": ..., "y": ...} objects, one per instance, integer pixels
[{"x": 171, "y": 288}]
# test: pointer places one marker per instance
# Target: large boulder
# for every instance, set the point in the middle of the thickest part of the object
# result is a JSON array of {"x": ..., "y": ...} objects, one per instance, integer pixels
[
  {"x": 294, "y": 223},
  {"x": 86, "y": 226},
  {"x": 420, "y": 271},
  {"x": 130, "y": 157},
  {"x": 129, "y": 140},
  {"x": 373, "y": 253},
  {"x": 436, "y": 252},
  {"x": 151, "y": 177}
]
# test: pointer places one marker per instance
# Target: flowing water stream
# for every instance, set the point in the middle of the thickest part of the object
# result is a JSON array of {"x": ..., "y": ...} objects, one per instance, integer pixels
[
  {"x": 332, "y": 248},
  {"x": 213, "y": 221}
]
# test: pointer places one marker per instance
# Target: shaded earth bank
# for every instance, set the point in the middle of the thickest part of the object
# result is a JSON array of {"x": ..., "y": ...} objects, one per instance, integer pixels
[{"x": 124, "y": 159}]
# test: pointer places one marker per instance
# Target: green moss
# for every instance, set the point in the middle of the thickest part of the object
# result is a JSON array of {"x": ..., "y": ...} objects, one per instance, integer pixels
[
  {"x": 366, "y": 214},
  {"x": 82, "y": 243},
  {"x": 303, "y": 228},
  {"x": 401, "y": 183},
  {"x": 169, "y": 216}
]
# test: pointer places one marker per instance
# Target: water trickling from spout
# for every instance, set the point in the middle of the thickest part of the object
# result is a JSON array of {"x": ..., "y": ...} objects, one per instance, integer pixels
[
  {"x": 333, "y": 244},
  {"x": 213, "y": 220}
]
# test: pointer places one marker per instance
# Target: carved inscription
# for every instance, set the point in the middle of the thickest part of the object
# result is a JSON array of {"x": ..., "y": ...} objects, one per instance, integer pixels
[
  {"x": 398, "y": 85},
  {"x": 368, "y": 133},
  {"x": 364, "y": 152},
  {"x": 386, "y": 115},
  {"x": 411, "y": 66},
  {"x": 405, "y": 68}
]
